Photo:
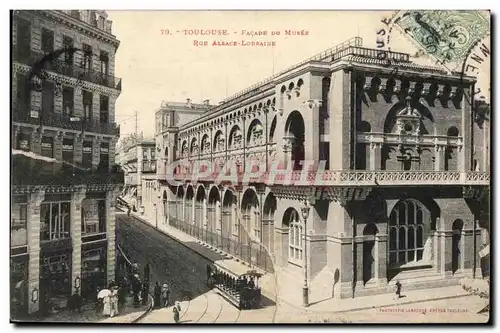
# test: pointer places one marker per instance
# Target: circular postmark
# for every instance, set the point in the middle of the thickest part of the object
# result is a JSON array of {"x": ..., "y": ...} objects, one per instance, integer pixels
[
  {"x": 477, "y": 64},
  {"x": 445, "y": 35}
]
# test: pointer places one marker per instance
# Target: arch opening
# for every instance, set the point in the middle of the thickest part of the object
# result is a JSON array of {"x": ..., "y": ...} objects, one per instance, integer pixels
[{"x": 294, "y": 138}]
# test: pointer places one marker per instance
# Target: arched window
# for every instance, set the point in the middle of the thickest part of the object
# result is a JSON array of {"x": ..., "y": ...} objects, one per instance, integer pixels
[
  {"x": 407, "y": 224},
  {"x": 295, "y": 238}
]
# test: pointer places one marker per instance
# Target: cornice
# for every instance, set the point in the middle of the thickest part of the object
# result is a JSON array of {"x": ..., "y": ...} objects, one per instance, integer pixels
[{"x": 80, "y": 26}]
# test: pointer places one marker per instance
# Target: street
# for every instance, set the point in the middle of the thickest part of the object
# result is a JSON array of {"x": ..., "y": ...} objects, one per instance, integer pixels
[
  {"x": 171, "y": 262},
  {"x": 185, "y": 272}
]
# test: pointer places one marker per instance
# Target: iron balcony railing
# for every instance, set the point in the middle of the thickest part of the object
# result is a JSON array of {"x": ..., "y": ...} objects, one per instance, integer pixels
[
  {"x": 24, "y": 114},
  {"x": 30, "y": 57},
  {"x": 249, "y": 251},
  {"x": 30, "y": 171},
  {"x": 342, "y": 178}
]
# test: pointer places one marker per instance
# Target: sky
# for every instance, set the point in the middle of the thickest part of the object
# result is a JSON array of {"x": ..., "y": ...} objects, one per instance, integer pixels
[{"x": 157, "y": 59}]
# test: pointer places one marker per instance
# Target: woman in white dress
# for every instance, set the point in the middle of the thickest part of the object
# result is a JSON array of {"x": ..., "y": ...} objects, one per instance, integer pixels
[
  {"x": 114, "y": 303},
  {"x": 106, "y": 311}
]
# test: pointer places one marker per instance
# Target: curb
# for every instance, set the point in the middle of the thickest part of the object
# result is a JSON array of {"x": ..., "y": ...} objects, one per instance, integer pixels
[
  {"x": 148, "y": 310},
  {"x": 309, "y": 311}
]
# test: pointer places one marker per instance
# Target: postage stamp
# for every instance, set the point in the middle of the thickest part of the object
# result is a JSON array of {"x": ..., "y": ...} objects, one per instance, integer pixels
[{"x": 448, "y": 36}]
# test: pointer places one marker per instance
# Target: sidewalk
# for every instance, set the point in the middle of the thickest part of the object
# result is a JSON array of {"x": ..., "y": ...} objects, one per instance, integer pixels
[{"x": 128, "y": 314}]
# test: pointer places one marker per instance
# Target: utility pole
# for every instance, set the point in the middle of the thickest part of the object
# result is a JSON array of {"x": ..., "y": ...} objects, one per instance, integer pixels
[{"x": 136, "y": 125}]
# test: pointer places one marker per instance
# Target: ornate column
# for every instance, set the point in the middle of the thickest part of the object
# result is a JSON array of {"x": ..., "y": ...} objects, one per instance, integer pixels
[
  {"x": 33, "y": 215},
  {"x": 305, "y": 288},
  {"x": 171, "y": 211},
  {"x": 288, "y": 142},
  {"x": 110, "y": 230},
  {"x": 36, "y": 141},
  {"x": 439, "y": 156},
  {"x": 58, "y": 139},
  {"x": 218, "y": 216},
  {"x": 311, "y": 140},
  {"x": 375, "y": 156},
  {"x": 76, "y": 239},
  {"x": 381, "y": 259},
  {"x": 96, "y": 151},
  {"x": 78, "y": 148}
]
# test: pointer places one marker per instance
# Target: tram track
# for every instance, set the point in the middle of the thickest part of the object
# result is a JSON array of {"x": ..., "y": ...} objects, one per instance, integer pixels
[{"x": 137, "y": 238}]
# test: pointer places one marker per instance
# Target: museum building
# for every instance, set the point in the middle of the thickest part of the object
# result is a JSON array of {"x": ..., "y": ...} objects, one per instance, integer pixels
[
  {"x": 63, "y": 182},
  {"x": 405, "y": 190}
]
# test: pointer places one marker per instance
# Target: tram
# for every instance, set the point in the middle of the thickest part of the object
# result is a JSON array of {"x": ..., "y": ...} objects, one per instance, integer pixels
[{"x": 240, "y": 287}]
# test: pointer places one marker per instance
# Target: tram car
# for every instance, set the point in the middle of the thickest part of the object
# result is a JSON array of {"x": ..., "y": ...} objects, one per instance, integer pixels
[{"x": 240, "y": 287}]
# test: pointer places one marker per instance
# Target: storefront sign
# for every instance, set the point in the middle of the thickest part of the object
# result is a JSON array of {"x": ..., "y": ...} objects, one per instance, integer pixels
[
  {"x": 68, "y": 147},
  {"x": 46, "y": 145}
]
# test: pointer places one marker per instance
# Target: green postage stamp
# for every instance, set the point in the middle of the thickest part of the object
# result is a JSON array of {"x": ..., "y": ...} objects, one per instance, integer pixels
[{"x": 447, "y": 35}]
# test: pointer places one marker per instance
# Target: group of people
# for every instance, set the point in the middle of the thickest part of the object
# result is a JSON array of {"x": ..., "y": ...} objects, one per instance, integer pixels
[
  {"x": 110, "y": 303},
  {"x": 161, "y": 295},
  {"x": 242, "y": 288}
]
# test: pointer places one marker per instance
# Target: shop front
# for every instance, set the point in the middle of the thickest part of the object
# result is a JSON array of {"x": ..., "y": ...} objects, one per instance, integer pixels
[
  {"x": 94, "y": 244},
  {"x": 18, "y": 256},
  {"x": 55, "y": 277},
  {"x": 55, "y": 250},
  {"x": 19, "y": 285},
  {"x": 93, "y": 269}
]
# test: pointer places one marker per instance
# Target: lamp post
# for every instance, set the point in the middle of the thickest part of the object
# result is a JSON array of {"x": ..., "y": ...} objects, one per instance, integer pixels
[
  {"x": 156, "y": 215},
  {"x": 305, "y": 289}
]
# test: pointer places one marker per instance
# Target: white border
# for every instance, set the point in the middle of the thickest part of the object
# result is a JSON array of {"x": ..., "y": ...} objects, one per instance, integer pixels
[{"x": 184, "y": 4}]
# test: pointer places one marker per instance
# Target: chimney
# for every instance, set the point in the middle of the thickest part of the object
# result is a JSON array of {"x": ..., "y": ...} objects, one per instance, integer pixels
[{"x": 206, "y": 102}]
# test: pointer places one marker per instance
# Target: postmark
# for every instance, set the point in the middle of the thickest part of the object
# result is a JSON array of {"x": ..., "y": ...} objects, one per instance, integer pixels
[{"x": 446, "y": 35}]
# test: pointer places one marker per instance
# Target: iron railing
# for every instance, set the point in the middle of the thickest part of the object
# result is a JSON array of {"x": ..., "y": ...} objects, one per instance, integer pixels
[
  {"x": 345, "y": 177},
  {"x": 30, "y": 57},
  {"x": 251, "y": 252},
  {"x": 65, "y": 121},
  {"x": 30, "y": 171}
]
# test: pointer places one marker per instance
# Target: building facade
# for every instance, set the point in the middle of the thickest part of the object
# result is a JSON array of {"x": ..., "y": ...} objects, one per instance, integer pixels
[
  {"x": 138, "y": 160},
  {"x": 404, "y": 184},
  {"x": 64, "y": 183}
]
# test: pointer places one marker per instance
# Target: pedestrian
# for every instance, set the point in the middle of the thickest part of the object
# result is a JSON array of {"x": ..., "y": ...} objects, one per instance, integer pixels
[
  {"x": 157, "y": 294},
  {"x": 128, "y": 210},
  {"x": 114, "y": 302},
  {"x": 176, "y": 310},
  {"x": 251, "y": 283},
  {"x": 209, "y": 274},
  {"x": 145, "y": 291},
  {"x": 106, "y": 310},
  {"x": 398, "y": 289},
  {"x": 147, "y": 270},
  {"x": 122, "y": 292},
  {"x": 165, "y": 294}
]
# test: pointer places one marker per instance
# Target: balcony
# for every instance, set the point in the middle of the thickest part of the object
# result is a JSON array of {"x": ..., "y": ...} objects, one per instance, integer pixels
[
  {"x": 63, "y": 121},
  {"x": 101, "y": 128},
  {"x": 31, "y": 171},
  {"x": 30, "y": 57},
  {"x": 347, "y": 178}
]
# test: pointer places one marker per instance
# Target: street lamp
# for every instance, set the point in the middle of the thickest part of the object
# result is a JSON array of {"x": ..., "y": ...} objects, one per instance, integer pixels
[
  {"x": 156, "y": 215},
  {"x": 305, "y": 289}
]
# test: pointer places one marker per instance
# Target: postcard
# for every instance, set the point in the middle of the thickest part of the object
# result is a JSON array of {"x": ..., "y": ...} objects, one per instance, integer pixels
[{"x": 206, "y": 167}]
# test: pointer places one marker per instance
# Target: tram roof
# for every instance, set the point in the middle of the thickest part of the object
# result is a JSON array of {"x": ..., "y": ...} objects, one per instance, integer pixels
[{"x": 232, "y": 268}]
